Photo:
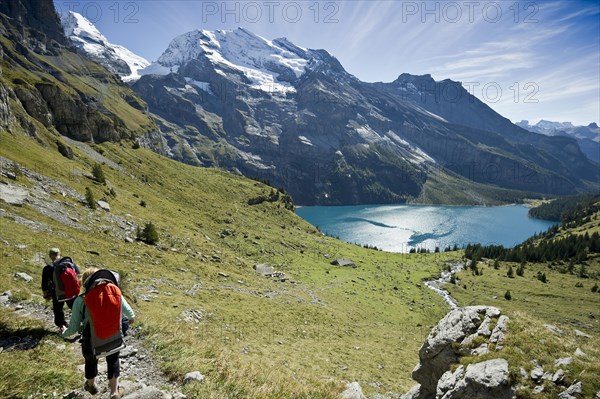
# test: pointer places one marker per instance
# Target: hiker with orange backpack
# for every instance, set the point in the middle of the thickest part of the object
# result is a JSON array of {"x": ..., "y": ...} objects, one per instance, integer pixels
[
  {"x": 97, "y": 314},
  {"x": 60, "y": 282}
]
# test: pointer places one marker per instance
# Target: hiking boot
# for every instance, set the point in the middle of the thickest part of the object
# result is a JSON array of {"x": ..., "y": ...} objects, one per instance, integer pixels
[
  {"x": 90, "y": 387},
  {"x": 119, "y": 394}
]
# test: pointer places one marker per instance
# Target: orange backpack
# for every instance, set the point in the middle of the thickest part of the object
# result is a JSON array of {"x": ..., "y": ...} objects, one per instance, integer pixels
[{"x": 103, "y": 302}]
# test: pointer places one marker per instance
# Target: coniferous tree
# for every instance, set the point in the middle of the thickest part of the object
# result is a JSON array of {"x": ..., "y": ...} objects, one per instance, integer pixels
[
  {"x": 510, "y": 273},
  {"x": 89, "y": 198},
  {"x": 98, "y": 173}
]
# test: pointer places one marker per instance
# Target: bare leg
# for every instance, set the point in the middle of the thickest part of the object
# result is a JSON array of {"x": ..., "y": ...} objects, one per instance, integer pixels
[{"x": 113, "y": 384}]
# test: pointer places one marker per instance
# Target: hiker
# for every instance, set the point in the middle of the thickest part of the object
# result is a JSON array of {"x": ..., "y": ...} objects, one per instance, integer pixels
[
  {"x": 49, "y": 287},
  {"x": 81, "y": 321}
]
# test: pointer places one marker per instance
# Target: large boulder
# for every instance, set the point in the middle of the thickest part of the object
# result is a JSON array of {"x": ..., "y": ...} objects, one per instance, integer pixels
[
  {"x": 479, "y": 380},
  {"x": 439, "y": 352}
]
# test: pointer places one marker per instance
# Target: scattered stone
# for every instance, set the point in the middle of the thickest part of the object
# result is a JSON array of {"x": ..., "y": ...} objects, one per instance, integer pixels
[
  {"x": 193, "y": 376},
  {"x": 523, "y": 373},
  {"x": 103, "y": 205},
  {"x": 5, "y": 297},
  {"x": 129, "y": 351},
  {"x": 547, "y": 376},
  {"x": 481, "y": 350},
  {"x": 264, "y": 269},
  {"x": 24, "y": 276},
  {"x": 580, "y": 353},
  {"x": 343, "y": 262},
  {"x": 569, "y": 393},
  {"x": 192, "y": 291},
  {"x": 353, "y": 391},
  {"x": 537, "y": 373},
  {"x": 559, "y": 376},
  {"x": 565, "y": 361},
  {"x": 223, "y": 274},
  {"x": 554, "y": 329},
  {"x": 538, "y": 389},
  {"x": 582, "y": 334}
]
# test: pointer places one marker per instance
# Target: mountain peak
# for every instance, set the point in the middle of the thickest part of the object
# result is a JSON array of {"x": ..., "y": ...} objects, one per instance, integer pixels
[
  {"x": 267, "y": 65},
  {"x": 89, "y": 41}
]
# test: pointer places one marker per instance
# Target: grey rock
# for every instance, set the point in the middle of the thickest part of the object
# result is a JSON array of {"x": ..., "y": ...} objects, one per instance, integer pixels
[
  {"x": 414, "y": 393},
  {"x": 559, "y": 376},
  {"x": 343, "y": 262},
  {"x": 147, "y": 392},
  {"x": 193, "y": 376},
  {"x": 481, "y": 350},
  {"x": 24, "y": 276},
  {"x": 547, "y": 376},
  {"x": 484, "y": 328},
  {"x": 192, "y": 291},
  {"x": 582, "y": 334},
  {"x": 483, "y": 380},
  {"x": 353, "y": 391},
  {"x": 129, "y": 240},
  {"x": 5, "y": 297},
  {"x": 537, "y": 373},
  {"x": 13, "y": 195},
  {"x": 523, "y": 372},
  {"x": 571, "y": 392},
  {"x": 538, "y": 389},
  {"x": 554, "y": 329},
  {"x": 580, "y": 353},
  {"x": 103, "y": 205},
  {"x": 437, "y": 353},
  {"x": 565, "y": 361},
  {"x": 264, "y": 269},
  {"x": 500, "y": 330}
]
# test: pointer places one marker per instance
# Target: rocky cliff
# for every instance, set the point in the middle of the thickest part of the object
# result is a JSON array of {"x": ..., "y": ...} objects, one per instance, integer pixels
[{"x": 44, "y": 83}]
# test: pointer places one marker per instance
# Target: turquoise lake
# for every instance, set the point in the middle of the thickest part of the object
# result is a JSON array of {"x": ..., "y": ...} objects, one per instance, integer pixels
[{"x": 398, "y": 228}]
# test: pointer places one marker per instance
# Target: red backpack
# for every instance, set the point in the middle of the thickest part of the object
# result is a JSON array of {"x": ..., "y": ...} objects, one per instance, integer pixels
[
  {"x": 103, "y": 302},
  {"x": 66, "y": 282}
]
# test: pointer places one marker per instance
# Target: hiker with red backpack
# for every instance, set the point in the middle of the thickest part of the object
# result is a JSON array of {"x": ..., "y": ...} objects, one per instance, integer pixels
[
  {"x": 60, "y": 282},
  {"x": 97, "y": 314}
]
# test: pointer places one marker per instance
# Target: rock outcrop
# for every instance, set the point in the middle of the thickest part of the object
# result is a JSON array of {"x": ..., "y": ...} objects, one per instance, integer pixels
[{"x": 461, "y": 333}]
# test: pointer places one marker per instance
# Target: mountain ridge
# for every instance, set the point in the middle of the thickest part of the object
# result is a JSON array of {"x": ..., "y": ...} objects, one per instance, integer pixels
[{"x": 296, "y": 117}]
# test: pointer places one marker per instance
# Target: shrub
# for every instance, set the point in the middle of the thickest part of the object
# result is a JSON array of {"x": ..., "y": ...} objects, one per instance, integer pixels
[
  {"x": 98, "y": 173},
  {"x": 507, "y": 296},
  {"x": 143, "y": 203},
  {"x": 510, "y": 273},
  {"x": 89, "y": 198},
  {"x": 521, "y": 269},
  {"x": 595, "y": 288},
  {"x": 542, "y": 277},
  {"x": 496, "y": 264},
  {"x": 149, "y": 234}
]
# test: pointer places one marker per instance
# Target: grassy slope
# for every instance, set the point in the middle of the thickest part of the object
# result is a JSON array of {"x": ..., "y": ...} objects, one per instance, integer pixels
[{"x": 260, "y": 338}]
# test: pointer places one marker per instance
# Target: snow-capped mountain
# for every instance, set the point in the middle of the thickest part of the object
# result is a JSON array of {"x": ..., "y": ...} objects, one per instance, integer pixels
[
  {"x": 588, "y": 137},
  {"x": 270, "y": 66},
  {"x": 88, "y": 39}
]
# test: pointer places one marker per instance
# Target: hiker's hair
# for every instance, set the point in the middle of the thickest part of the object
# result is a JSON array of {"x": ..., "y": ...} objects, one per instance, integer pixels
[{"x": 87, "y": 273}]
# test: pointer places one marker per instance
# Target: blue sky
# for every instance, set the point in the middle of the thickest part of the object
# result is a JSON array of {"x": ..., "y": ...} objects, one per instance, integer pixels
[{"x": 526, "y": 59}]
